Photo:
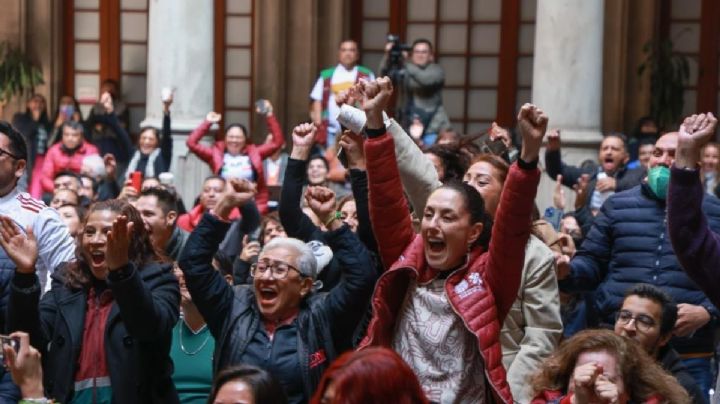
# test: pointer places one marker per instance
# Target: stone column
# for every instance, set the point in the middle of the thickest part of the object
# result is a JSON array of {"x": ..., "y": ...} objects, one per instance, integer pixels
[
  {"x": 180, "y": 55},
  {"x": 567, "y": 79}
]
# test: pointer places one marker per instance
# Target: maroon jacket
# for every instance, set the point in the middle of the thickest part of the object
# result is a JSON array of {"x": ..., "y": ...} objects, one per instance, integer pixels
[
  {"x": 482, "y": 291},
  {"x": 214, "y": 155}
]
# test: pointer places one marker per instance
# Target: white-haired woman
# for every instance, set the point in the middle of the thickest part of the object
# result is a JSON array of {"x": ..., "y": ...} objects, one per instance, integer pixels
[{"x": 278, "y": 323}]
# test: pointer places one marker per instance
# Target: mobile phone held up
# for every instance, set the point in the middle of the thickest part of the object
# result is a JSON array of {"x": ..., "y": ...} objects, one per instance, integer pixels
[
  {"x": 6, "y": 340},
  {"x": 261, "y": 106},
  {"x": 136, "y": 180}
]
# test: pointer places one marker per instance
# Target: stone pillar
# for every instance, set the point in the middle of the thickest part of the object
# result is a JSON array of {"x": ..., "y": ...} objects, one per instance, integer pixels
[
  {"x": 567, "y": 78},
  {"x": 180, "y": 45}
]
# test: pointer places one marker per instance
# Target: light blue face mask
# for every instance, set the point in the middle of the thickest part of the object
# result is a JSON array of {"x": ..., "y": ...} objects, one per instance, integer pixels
[{"x": 658, "y": 180}]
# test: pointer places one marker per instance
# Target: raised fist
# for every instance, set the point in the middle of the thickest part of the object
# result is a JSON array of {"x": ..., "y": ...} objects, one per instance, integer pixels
[
  {"x": 213, "y": 117},
  {"x": 532, "y": 123}
]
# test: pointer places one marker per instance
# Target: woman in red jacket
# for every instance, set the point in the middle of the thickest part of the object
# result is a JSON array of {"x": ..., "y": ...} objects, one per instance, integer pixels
[
  {"x": 446, "y": 291},
  {"x": 234, "y": 156},
  {"x": 66, "y": 155}
]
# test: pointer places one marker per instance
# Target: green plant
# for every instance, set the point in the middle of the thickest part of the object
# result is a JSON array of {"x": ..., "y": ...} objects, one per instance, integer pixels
[
  {"x": 669, "y": 73},
  {"x": 18, "y": 74}
]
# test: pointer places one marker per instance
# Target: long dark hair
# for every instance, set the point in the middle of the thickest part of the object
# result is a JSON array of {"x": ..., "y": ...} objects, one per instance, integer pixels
[
  {"x": 78, "y": 275},
  {"x": 264, "y": 387}
]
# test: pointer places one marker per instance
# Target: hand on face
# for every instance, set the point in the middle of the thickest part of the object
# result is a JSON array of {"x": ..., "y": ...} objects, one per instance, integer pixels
[{"x": 107, "y": 102}]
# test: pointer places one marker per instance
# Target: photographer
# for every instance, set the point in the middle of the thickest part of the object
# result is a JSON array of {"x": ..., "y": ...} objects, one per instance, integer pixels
[{"x": 420, "y": 80}]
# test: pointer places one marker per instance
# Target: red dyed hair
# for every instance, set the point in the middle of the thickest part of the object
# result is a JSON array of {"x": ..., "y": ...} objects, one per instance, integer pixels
[{"x": 373, "y": 375}]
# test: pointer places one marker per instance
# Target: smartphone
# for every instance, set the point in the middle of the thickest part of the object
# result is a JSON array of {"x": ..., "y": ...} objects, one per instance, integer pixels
[
  {"x": 261, "y": 106},
  {"x": 136, "y": 180},
  {"x": 6, "y": 340}
]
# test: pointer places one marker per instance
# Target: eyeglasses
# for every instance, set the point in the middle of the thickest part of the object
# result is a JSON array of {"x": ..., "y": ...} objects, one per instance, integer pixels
[
  {"x": 12, "y": 156},
  {"x": 279, "y": 270},
  {"x": 643, "y": 323}
]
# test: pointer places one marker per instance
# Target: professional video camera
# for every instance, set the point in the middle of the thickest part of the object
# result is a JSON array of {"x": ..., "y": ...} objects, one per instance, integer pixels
[{"x": 395, "y": 61}]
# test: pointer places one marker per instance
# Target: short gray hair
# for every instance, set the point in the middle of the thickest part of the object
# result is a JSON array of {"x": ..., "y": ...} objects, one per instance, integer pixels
[
  {"x": 307, "y": 264},
  {"x": 93, "y": 165}
]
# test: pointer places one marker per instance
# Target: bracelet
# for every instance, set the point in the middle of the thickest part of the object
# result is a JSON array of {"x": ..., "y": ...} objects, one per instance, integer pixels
[
  {"x": 41, "y": 400},
  {"x": 334, "y": 217}
]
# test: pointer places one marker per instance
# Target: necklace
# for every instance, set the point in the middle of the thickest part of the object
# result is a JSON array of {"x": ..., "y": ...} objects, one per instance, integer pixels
[{"x": 182, "y": 346}]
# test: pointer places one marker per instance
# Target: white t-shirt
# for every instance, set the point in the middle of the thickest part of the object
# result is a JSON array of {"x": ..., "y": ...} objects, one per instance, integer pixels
[
  {"x": 237, "y": 167},
  {"x": 341, "y": 80},
  {"x": 55, "y": 245}
]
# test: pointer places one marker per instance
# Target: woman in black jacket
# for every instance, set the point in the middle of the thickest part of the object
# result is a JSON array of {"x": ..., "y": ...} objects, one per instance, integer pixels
[{"x": 105, "y": 327}]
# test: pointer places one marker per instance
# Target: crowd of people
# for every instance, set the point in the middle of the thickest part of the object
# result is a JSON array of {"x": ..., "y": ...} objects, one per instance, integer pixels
[{"x": 376, "y": 261}]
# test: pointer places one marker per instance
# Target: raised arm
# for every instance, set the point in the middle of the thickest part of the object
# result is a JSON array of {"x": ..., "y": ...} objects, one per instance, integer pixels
[
  {"x": 205, "y": 153},
  {"x": 294, "y": 221},
  {"x": 554, "y": 165},
  {"x": 210, "y": 292},
  {"x": 697, "y": 247},
  {"x": 512, "y": 225},
  {"x": 278, "y": 139},
  {"x": 111, "y": 119},
  {"x": 166, "y": 143},
  {"x": 389, "y": 213}
]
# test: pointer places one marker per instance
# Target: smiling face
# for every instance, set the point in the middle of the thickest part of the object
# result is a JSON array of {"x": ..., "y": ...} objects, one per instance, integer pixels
[
  {"x": 421, "y": 54},
  {"x": 94, "y": 241},
  {"x": 317, "y": 172},
  {"x": 279, "y": 299},
  {"x": 710, "y": 158},
  {"x": 235, "y": 140},
  {"x": 612, "y": 154},
  {"x": 157, "y": 223},
  {"x": 348, "y": 214},
  {"x": 148, "y": 141},
  {"x": 273, "y": 229},
  {"x": 446, "y": 229}
]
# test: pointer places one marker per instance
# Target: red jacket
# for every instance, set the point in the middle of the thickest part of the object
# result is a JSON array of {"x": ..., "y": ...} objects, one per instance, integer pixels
[
  {"x": 188, "y": 221},
  {"x": 214, "y": 155},
  {"x": 56, "y": 160},
  {"x": 557, "y": 397},
  {"x": 482, "y": 292}
]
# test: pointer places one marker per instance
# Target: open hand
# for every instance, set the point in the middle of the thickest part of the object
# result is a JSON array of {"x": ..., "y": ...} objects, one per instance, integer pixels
[
  {"x": 532, "y": 123},
  {"x": 118, "y": 243},
  {"x": 213, "y": 117},
  {"x": 21, "y": 248},
  {"x": 110, "y": 165},
  {"x": 581, "y": 193},
  {"x": 322, "y": 202}
]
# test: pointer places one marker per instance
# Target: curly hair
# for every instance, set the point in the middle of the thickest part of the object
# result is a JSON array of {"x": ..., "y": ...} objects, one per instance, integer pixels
[
  {"x": 642, "y": 375},
  {"x": 454, "y": 162},
  {"x": 77, "y": 275}
]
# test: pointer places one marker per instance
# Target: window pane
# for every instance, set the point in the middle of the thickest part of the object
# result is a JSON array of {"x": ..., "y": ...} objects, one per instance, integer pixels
[
  {"x": 374, "y": 34},
  {"x": 482, "y": 104},
  {"x": 523, "y": 95},
  {"x": 87, "y": 56},
  {"x": 237, "y": 62},
  {"x": 478, "y": 127},
  {"x": 525, "y": 70},
  {"x": 86, "y": 88},
  {"x": 133, "y": 88},
  {"x": 690, "y": 102},
  {"x": 528, "y": 9},
  {"x": 454, "y": 70},
  {"x": 238, "y": 6},
  {"x": 371, "y": 60},
  {"x": 134, "y": 58},
  {"x": 238, "y": 30},
  {"x": 485, "y": 38},
  {"x": 454, "y": 102},
  {"x": 454, "y": 10},
  {"x": 376, "y": 8},
  {"x": 87, "y": 25},
  {"x": 484, "y": 71},
  {"x": 685, "y": 9},
  {"x": 137, "y": 114},
  {"x": 133, "y": 26},
  {"x": 685, "y": 37},
  {"x": 453, "y": 38},
  {"x": 237, "y": 93},
  {"x": 417, "y": 31},
  {"x": 526, "y": 38},
  {"x": 133, "y": 5},
  {"x": 693, "y": 65},
  {"x": 235, "y": 116},
  {"x": 421, "y": 9},
  {"x": 87, "y": 3},
  {"x": 487, "y": 10}
]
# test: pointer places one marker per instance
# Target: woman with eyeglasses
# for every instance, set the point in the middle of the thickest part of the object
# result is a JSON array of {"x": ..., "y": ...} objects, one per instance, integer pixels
[{"x": 279, "y": 323}]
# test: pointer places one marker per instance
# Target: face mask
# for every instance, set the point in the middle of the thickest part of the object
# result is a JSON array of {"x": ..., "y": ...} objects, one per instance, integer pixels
[{"x": 658, "y": 179}]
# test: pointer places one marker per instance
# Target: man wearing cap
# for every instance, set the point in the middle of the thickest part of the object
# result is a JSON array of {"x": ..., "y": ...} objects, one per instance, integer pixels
[{"x": 279, "y": 323}]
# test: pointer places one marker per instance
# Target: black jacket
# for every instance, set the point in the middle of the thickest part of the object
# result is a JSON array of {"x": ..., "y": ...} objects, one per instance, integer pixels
[
  {"x": 137, "y": 333},
  {"x": 326, "y": 320},
  {"x": 671, "y": 362}
]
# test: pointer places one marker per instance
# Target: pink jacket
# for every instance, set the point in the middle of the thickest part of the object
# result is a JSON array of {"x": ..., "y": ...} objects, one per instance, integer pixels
[
  {"x": 214, "y": 155},
  {"x": 56, "y": 161}
]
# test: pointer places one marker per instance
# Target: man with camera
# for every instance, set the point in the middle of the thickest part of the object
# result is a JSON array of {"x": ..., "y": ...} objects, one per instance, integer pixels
[
  {"x": 421, "y": 81},
  {"x": 333, "y": 81}
]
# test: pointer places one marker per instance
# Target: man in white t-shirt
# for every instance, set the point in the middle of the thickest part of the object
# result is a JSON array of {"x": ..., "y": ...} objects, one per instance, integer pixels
[{"x": 333, "y": 81}]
